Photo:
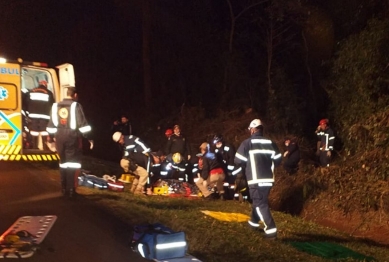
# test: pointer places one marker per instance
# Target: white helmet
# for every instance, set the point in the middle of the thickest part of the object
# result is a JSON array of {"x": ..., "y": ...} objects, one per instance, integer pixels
[
  {"x": 255, "y": 123},
  {"x": 116, "y": 136}
]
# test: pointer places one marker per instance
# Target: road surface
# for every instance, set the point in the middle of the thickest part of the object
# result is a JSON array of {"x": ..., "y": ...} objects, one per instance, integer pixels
[{"x": 82, "y": 232}]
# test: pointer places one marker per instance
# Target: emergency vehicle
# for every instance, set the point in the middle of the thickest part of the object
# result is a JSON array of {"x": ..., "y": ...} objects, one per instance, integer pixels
[{"x": 17, "y": 78}]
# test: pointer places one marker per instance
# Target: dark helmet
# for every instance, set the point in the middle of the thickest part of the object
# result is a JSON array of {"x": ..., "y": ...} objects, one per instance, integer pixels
[{"x": 217, "y": 138}]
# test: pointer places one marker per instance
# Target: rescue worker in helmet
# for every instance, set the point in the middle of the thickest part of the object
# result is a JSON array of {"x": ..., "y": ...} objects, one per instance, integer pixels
[
  {"x": 227, "y": 153},
  {"x": 174, "y": 167},
  {"x": 325, "y": 142},
  {"x": 259, "y": 156},
  {"x": 211, "y": 174},
  {"x": 168, "y": 133},
  {"x": 39, "y": 102},
  {"x": 67, "y": 124},
  {"x": 135, "y": 160}
]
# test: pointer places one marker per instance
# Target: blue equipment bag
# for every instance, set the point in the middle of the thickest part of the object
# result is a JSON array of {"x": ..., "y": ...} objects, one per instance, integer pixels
[{"x": 156, "y": 241}]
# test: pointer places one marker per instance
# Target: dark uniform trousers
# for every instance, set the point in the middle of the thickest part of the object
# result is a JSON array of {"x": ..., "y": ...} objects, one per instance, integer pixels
[
  {"x": 69, "y": 149},
  {"x": 260, "y": 208}
]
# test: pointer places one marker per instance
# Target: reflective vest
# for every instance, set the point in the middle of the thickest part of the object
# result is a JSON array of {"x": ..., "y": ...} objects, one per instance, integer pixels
[{"x": 68, "y": 114}]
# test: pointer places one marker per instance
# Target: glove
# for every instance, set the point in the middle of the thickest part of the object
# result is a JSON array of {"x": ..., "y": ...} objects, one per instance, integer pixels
[
  {"x": 329, "y": 153},
  {"x": 91, "y": 144},
  {"x": 188, "y": 157},
  {"x": 286, "y": 153}
]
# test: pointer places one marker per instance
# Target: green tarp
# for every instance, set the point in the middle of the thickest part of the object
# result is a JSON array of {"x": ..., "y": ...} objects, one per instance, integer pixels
[{"x": 329, "y": 250}]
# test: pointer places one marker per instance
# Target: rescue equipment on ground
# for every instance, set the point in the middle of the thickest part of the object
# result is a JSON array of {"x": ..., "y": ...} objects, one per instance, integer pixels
[
  {"x": 92, "y": 181},
  {"x": 21, "y": 240},
  {"x": 156, "y": 241}
]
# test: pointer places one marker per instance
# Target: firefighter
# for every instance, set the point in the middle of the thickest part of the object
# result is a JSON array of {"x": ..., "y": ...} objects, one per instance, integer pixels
[
  {"x": 259, "y": 155},
  {"x": 136, "y": 159},
  {"x": 67, "y": 125},
  {"x": 227, "y": 153},
  {"x": 168, "y": 133},
  {"x": 212, "y": 173},
  {"x": 39, "y": 102},
  {"x": 325, "y": 142}
]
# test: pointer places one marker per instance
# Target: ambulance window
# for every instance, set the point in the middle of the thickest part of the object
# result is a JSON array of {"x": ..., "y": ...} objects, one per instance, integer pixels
[{"x": 32, "y": 76}]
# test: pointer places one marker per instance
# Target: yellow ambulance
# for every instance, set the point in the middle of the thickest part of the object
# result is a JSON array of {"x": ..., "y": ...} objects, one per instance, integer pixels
[{"x": 17, "y": 78}]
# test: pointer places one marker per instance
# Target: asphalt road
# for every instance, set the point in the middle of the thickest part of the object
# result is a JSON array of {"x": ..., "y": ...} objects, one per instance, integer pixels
[{"x": 82, "y": 232}]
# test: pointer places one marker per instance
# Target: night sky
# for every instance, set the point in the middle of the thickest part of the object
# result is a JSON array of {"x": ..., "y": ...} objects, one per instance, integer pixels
[{"x": 189, "y": 54}]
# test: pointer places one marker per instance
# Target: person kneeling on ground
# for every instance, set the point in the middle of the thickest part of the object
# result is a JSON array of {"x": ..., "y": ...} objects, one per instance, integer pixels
[
  {"x": 136, "y": 160},
  {"x": 211, "y": 173}
]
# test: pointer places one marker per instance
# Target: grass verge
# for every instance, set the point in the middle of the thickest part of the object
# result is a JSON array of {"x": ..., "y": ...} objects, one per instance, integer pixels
[{"x": 212, "y": 240}]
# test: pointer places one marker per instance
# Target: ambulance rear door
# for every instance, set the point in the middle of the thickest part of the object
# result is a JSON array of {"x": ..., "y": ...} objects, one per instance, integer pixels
[
  {"x": 10, "y": 110},
  {"x": 66, "y": 78}
]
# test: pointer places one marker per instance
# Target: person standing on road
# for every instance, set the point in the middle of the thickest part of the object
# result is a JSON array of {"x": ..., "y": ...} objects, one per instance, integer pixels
[
  {"x": 325, "y": 142},
  {"x": 258, "y": 156},
  {"x": 67, "y": 124},
  {"x": 136, "y": 160}
]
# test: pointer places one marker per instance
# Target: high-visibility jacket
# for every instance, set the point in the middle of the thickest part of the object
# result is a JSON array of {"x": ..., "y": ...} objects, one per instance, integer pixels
[
  {"x": 39, "y": 103},
  {"x": 227, "y": 152},
  {"x": 327, "y": 139},
  {"x": 259, "y": 156},
  {"x": 67, "y": 122},
  {"x": 68, "y": 114},
  {"x": 137, "y": 151}
]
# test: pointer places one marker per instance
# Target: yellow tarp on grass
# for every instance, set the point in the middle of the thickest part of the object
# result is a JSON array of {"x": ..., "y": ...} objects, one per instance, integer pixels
[{"x": 225, "y": 216}]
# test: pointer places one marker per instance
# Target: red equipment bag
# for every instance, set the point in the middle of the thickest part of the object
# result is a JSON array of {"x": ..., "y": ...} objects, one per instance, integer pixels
[{"x": 116, "y": 186}]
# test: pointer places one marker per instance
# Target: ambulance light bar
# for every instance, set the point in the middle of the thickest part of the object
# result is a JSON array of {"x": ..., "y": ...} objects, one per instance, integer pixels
[{"x": 20, "y": 61}]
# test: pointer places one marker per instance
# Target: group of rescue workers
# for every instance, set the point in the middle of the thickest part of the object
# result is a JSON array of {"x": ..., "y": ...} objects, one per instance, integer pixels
[{"x": 250, "y": 167}]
